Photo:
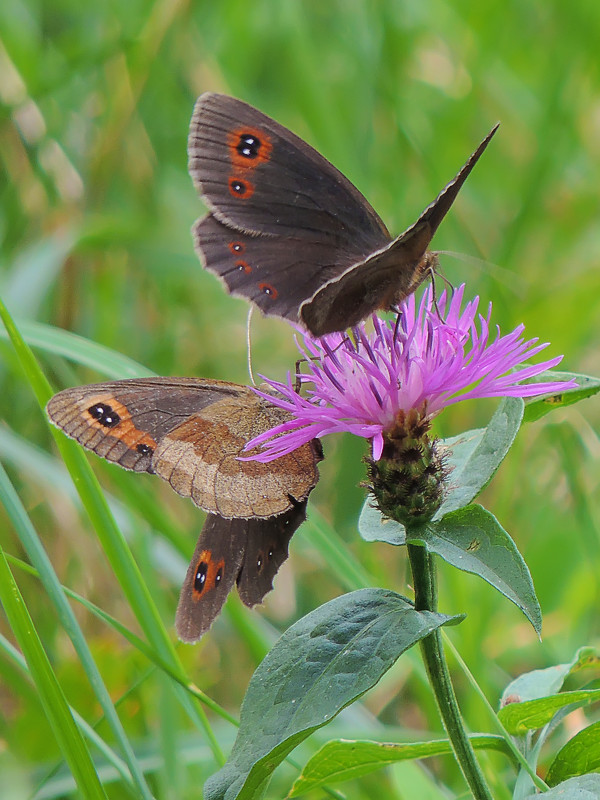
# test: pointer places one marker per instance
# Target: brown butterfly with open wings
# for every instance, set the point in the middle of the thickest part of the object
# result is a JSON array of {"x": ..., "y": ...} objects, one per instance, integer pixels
[{"x": 190, "y": 431}]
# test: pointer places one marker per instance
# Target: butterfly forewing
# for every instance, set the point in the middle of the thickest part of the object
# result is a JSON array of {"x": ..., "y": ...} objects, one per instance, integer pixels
[
  {"x": 122, "y": 421},
  {"x": 259, "y": 177}
]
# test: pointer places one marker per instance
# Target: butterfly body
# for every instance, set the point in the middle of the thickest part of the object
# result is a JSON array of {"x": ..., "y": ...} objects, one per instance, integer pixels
[{"x": 289, "y": 232}]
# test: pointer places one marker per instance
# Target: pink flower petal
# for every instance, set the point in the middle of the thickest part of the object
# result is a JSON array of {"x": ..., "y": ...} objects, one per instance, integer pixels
[{"x": 428, "y": 358}]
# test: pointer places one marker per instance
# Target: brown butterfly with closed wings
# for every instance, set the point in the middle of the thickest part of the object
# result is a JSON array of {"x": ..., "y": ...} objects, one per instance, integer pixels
[
  {"x": 289, "y": 232},
  {"x": 190, "y": 432}
]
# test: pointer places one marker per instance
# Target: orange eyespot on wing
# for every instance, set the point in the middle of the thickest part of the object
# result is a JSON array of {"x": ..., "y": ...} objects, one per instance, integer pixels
[
  {"x": 108, "y": 414},
  {"x": 240, "y": 188},
  {"x": 209, "y": 573},
  {"x": 268, "y": 289},
  {"x": 249, "y": 147}
]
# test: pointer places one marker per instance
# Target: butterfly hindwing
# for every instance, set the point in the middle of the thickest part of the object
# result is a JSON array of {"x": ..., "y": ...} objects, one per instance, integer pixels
[
  {"x": 211, "y": 575},
  {"x": 266, "y": 550},
  {"x": 261, "y": 268},
  {"x": 248, "y": 552}
]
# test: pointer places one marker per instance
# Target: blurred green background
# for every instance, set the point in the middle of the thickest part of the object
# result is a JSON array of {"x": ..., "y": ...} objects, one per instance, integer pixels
[{"x": 95, "y": 238}]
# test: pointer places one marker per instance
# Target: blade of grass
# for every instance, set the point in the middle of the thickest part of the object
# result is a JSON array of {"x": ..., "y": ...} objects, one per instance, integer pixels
[
  {"x": 111, "y": 757},
  {"x": 51, "y": 696},
  {"x": 79, "y": 349},
  {"x": 112, "y": 541},
  {"x": 34, "y": 549}
]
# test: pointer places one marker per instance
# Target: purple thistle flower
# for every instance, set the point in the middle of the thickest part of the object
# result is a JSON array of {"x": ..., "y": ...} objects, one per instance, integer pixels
[{"x": 422, "y": 362}]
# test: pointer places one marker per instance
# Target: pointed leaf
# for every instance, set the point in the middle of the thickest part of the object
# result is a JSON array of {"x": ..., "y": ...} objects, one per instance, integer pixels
[
  {"x": 475, "y": 456},
  {"x": 544, "y": 682},
  {"x": 321, "y": 664},
  {"x": 374, "y": 527},
  {"x": 473, "y": 540},
  {"x": 580, "y": 755},
  {"x": 518, "y": 718},
  {"x": 342, "y": 759},
  {"x": 585, "y": 787},
  {"x": 472, "y": 458},
  {"x": 536, "y": 407}
]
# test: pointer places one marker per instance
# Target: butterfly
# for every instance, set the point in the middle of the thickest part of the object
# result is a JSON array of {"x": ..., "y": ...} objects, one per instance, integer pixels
[
  {"x": 190, "y": 432},
  {"x": 287, "y": 231}
]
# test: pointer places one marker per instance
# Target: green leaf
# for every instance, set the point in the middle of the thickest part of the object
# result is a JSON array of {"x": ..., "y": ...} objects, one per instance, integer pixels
[
  {"x": 518, "y": 718},
  {"x": 544, "y": 682},
  {"x": 51, "y": 696},
  {"x": 323, "y": 663},
  {"x": 374, "y": 527},
  {"x": 474, "y": 457},
  {"x": 536, "y": 407},
  {"x": 585, "y": 787},
  {"x": 580, "y": 755},
  {"x": 342, "y": 760},
  {"x": 473, "y": 540}
]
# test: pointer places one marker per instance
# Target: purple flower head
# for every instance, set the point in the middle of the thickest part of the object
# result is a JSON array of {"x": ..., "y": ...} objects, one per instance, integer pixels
[{"x": 424, "y": 361}]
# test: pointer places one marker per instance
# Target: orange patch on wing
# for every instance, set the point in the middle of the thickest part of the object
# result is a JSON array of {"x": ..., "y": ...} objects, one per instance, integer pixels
[
  {"x": 236, "y": 247},
  {"x": 268, "y": 289},
  {"x": 243, "y": 265},
  {"x": 125, "y": 431},
  {"x": 212, "y": 573},
  {"x": 240, "y": 188},
  {"x": 255, "y": 141}
]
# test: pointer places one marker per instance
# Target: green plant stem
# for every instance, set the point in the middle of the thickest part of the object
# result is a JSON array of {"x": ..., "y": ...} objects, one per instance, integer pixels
[{"x": 424, "y": 580}]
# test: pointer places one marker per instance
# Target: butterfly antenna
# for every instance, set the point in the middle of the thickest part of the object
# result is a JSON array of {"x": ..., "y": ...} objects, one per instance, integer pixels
[
  {"x": 397, "y": 325},
  {"x": 304, "y": 360},
  {"x": 298, "y": 384},
  {"x": 249, "y": 346},
  {"x": 433, "y": 274}
]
